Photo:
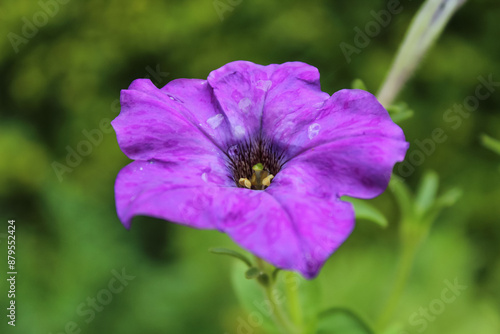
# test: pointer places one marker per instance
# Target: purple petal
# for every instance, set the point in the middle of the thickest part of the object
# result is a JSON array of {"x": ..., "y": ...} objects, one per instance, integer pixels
[
  {"x": 240, "y": 89},
  {"x": 180, "y": 192},
  {"x": 352, "y": 144},
  {"x": 293, "y": 224},
  {"x": 347, "y": 113},
  {"x": 345, "y": 144},
  {"x": 354, "y": 166},
  {"x": 256, "y": 98},
  {"x": 151, "y": 125},
  {"x": 198, "y": 104},
  {"x": 296, "y": 94}
]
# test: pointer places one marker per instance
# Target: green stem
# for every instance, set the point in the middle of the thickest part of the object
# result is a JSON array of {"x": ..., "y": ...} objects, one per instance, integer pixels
[
  {"x": 403, "y": 272},
  {"x": 422, "y": 33},
  {"x": 278, "y": 314},
  {"x": 293, "y": 300}
]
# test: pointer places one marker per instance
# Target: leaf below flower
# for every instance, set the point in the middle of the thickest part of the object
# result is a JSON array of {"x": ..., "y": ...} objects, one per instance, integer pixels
[{"x": 364, "y": 210}]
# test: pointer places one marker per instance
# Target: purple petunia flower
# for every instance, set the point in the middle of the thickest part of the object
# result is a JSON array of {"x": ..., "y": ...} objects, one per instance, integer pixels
[{"x": 257, "y": 152}]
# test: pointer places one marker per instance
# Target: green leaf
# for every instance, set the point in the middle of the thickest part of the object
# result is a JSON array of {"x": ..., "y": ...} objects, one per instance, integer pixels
[
  {"x": 426, "y": 193},
  {"x": 399, "y": 112},
  {"x": 365, "y": 210},
  {"x": 449, "y": 198},
  {"x": 358, "y": 84},
  {"x": 232, "y": 253},
  {"x": 491, "y": 143},
  {"x": 403, "y": 195},
  {"x": 397, "y": 108},
  {"x": 342, "y": 321},
  {"x": 399, "y": 117}
]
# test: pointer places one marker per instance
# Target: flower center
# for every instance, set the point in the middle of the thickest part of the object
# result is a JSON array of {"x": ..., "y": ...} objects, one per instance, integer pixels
[
  {"x": 254, "y": 164},
  {"x": 260, "y": 180}
]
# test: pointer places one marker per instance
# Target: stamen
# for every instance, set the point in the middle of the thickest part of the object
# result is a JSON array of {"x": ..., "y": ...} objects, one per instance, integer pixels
[
  {"x": 245, "y": 183},
  {"x": 267, "y": 180},
  {"x": 260, "y": 180},
  {"x": 254, "y": 163}
]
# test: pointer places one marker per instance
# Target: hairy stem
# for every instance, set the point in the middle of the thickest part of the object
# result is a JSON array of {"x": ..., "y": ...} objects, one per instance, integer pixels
[
  {"x": 278, "y": 315},
  {"x": 422, "y": 33}
]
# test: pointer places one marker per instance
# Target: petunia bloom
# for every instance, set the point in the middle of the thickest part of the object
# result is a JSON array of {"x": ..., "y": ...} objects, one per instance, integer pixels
[{"x": 257, "y": 152}]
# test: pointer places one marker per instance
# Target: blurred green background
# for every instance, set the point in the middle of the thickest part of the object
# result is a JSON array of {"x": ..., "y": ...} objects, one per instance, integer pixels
[{"x": 65, "y": 79}]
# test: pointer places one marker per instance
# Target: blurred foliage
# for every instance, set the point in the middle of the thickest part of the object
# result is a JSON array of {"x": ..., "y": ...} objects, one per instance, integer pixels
[{"x": 66, "y": 80}]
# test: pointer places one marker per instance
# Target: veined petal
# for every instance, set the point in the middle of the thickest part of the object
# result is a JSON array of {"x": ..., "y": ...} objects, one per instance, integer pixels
[
  {"x": 197, "y": 103},
  {"x": 296, "y": 95},
  {"x": 265, "y": 100},
  {"x": 354, "y": 166},
  {"x": 326, "y": 147},
  {"x": 153, "y": 125},
  {"x": 321, "y": 220},
  {"x": 289, "y": 225},
  {"x": 347, "y": 113},
  {"x": 352, "y": 145},
  {"x": 180, "y": 192},
  {"x": 293, "y": 224},
  {"x": 240, "y": 89}
]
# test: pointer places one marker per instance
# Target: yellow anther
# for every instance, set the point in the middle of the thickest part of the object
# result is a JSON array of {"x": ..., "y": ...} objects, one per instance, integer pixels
[
  {"x": 267, "y": 180},
  {"x": 245, "y": 183}
]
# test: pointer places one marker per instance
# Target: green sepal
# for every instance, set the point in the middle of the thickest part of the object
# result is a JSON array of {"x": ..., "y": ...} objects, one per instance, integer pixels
[
  {"x": 252, "y": 273},
  {"x": 263, "y": 279}
]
